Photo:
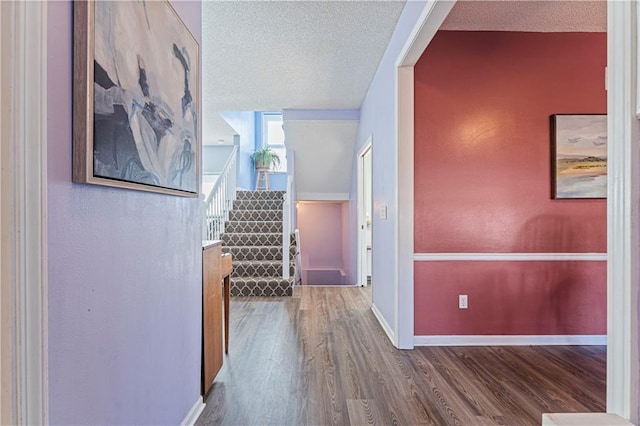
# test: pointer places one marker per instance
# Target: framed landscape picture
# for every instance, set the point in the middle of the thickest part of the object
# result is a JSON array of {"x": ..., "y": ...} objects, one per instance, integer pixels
[
  {"x": 136, "y": 97},
  {"x": 579, "y": 155}
]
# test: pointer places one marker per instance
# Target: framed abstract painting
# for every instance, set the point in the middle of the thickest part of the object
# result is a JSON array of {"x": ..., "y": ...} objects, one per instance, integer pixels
[
  {"x": 579, "y": 155},
  {"x": 136, "y": 98}
]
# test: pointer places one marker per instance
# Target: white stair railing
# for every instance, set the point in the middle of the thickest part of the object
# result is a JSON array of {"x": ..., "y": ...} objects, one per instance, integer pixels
[
  {"x": 287, "y": 223},
  {"x": 220, "y": 200}
]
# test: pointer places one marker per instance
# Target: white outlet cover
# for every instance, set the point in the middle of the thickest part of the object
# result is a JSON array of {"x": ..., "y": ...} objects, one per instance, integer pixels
[{"x": 463, "y": 301}]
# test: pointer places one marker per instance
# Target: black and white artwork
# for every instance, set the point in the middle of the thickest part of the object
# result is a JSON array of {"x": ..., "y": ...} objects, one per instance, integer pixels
[{"x": 145, "y": 90}]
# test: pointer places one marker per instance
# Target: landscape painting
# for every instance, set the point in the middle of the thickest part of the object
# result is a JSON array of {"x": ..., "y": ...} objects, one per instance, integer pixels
[
  {"x": 580, "y": 155},
  {"x": 138, "y": 127}
]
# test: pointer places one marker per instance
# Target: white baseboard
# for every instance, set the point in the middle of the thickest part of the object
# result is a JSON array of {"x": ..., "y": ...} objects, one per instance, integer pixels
[
  {"x": 194, "y": 413},
  {"x": 506, "y": 340},
  {"x": 384, "y": 324}
]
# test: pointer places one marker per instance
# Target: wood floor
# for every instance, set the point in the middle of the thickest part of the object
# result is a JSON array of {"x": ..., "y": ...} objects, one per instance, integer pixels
[{"x": 321, "y": 358}]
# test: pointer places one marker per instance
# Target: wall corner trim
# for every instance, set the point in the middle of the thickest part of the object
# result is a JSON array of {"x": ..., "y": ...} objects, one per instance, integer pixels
[
  {"x": 384, "y": 324},
  {"x": 512, "y": 340},
  {"x": 23, "y": 220},
  {"x": 194, "y": 413}
]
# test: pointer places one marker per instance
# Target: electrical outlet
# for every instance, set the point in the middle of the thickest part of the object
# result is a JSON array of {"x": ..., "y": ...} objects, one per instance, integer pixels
[{"x": 463, "y": 301}]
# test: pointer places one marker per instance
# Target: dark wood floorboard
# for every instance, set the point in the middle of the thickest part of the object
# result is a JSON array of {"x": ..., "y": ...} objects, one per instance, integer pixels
[{"x": 321, "y": 358}]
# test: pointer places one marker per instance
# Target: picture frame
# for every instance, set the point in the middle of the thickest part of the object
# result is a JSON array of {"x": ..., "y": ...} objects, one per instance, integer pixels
[
  {"x": 136, "y": 98},
  {"x": 578, "y": 156}
]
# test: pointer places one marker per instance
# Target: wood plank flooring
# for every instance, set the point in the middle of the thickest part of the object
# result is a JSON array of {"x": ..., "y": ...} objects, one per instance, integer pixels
[{"x": 321, "y": 358}]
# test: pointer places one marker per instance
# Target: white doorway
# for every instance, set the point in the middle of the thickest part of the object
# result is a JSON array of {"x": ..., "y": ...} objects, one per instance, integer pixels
[
  {"x": 23, "y": 213},
  {"x": 365, "y": 213}
]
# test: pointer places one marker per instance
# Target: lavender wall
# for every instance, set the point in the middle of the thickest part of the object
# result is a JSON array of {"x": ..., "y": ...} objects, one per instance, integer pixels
[
  {"x": 215, "y": 157},
  {"x": 377, "y": 118},
  {"x": 124, "y": 278},
  {"x": 243, "y": 122}
]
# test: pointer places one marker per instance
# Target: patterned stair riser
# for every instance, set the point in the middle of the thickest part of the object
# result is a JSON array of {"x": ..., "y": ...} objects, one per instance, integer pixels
[
  {"x": 257, "y": 205},
  {"x": 252, "y": 239},
  {"x": 253, "y": 286},
  {"x": 253, "y": 227},
  {"x": 271, "y": 269},
  {"x": 260, "y": 195},
  {"x": 255, "y": 215},
  {"x": 253, "y": 235},
  {"x": 258, "y": 253}
]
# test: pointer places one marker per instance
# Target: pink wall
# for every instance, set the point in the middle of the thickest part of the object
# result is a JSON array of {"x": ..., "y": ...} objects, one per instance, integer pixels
[
  {"x": 320, "y": 225},
  {"x": 482, "y": 183}
]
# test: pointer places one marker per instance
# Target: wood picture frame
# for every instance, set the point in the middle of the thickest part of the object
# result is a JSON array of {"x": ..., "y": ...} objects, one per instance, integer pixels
[
  {"x": 136, "y": 98},
  {"x": 578, "y": 156}
]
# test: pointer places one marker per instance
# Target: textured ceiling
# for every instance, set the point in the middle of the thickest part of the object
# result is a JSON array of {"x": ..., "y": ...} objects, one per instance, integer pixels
[
  {"x": 526, "y": 15},
  {"x": 273, "y": 55}
]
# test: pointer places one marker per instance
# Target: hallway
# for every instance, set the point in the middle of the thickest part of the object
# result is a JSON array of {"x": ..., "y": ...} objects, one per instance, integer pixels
[{"x": 320, "y": 357}]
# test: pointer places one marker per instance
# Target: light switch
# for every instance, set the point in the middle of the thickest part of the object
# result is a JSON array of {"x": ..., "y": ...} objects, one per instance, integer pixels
[{"x": 382, "y": 212}]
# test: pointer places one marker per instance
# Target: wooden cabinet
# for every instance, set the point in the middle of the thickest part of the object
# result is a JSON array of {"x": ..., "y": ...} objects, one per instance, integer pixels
[{"x": 212, "y": 303}]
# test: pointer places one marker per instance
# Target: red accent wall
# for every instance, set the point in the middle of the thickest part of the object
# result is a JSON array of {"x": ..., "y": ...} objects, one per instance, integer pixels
[
  {"x": 527, "y": 298},
  {"x": 482, "y": 183}
]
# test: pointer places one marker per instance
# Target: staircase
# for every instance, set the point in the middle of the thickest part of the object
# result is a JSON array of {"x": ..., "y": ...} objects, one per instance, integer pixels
[{"x": 253, "y": 235}]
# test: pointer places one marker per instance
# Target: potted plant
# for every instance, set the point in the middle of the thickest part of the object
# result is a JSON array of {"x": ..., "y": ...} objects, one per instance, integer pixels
[{"x": 265, "y": 158}]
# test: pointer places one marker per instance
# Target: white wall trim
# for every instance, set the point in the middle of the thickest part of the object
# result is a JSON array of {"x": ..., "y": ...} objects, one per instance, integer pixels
[
  {"x": 361, "y": 272},
  {"x": 384, "y": 324},
  {"x": 427, "y": 25},
  {"x": 24, "y": 199},
  {"x": 323, "y": 120},
  {"x": 623, "y": 244},
  {"x": 431, "y": 18},
  {"x": 403, "y": 255},
  {"x": 507, "y": 257},
  {"x": 323, "y": 196},
  {"x": 511, "y": 340},
  {"x": 194, "y": 413}
]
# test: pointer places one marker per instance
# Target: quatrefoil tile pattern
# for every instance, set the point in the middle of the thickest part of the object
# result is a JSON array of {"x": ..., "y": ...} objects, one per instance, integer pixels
[
  {"x": 258, "y": 253},
  {"x": 255, "y": 215},
  {"x": 257, "y": 204},
  {"x": 260, "y": 195},
  {"x": 254, "y": 253},
  {"x": 271, "y": 239},
  {"x": 265, "y": 268},
  {"x": 247, "y": 227},
  {"x": 265, "y": 287},
  {"x": 253, "y": 235}
]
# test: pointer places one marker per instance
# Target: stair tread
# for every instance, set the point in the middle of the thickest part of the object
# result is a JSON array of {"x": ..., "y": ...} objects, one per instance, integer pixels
[
  {"x": 255, "y": 247},
  {"x": 290, "y": 279},
  {"x": 254, "y": 221},
  {"x": 260, "y": 262}
]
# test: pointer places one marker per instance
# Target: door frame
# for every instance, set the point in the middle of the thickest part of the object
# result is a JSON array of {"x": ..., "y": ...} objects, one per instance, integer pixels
[
  {"x": 430, "y": 20},
  {"x": 361, "y": 243},
  {"x": 623, "y": 199},
  {"x": 23, "y": 213},
  {"x": 623, "y": 215}
]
